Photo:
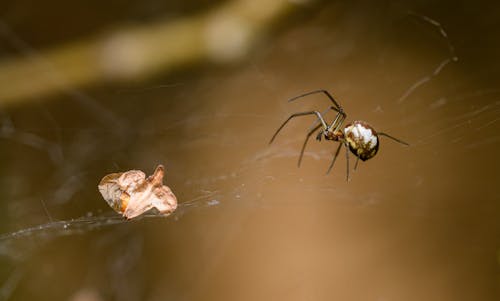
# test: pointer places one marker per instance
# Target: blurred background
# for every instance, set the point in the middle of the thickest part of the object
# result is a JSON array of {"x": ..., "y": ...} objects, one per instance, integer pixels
[{"x": 90, "y": 87}]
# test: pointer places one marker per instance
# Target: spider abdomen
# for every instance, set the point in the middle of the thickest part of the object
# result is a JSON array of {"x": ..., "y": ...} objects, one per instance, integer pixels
[{"x": 362, "y": 139}]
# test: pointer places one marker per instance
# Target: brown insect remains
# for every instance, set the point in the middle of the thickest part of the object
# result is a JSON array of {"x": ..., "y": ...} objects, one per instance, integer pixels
[{"x": 131, "y": 194}]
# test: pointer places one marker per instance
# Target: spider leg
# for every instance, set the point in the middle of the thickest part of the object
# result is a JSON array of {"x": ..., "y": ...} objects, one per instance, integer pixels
[
  {"x": 307, "y": 139},
  {"x": 356, "y": 164},
  {"x": 338, "y": 121},
  {"x": 393, "y": 138},
  {"x": 341, "y": 115},
  {"x": 320, "y": 134},
  {"x": 337, "y": 106},
  {"x": 347, "y": 159},
  {"x": 334, "y": 158},
  {"x": 323, "y": 123}
]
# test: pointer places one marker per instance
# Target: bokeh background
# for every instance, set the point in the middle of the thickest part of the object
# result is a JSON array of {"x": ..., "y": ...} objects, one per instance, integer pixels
[{"x": 90, "y": 87}]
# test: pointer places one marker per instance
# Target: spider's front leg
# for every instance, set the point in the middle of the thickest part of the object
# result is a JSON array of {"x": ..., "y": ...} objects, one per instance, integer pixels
[
  {"x": 334, "y": 158},
  {"x": 320, "y": 134},
  {"x": 337, "y": 108},
  {"x": 318, "y": 114},
  {"x": 318, "y": 137}
]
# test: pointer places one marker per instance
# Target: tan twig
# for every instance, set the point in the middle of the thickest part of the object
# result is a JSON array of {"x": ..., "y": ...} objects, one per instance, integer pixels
[{"x": 225, "y": 33}]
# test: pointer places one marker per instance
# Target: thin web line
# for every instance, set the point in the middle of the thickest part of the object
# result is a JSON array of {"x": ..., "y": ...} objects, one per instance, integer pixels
[
  {"x": 452, "y": 57},
  {"x": 88, "y": 223}
]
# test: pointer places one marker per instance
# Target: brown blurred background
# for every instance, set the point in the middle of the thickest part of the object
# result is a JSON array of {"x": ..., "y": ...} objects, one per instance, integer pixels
[{"x": 92, "y": 87}]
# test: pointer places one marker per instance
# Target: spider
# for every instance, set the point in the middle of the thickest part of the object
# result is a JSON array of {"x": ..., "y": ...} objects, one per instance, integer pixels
[{"x": 358, "y": 136}]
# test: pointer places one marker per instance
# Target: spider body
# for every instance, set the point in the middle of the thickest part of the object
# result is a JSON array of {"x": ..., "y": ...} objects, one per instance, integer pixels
[
  {"x": 358, "y": 136},
  {"x": 362, "y": 139}
]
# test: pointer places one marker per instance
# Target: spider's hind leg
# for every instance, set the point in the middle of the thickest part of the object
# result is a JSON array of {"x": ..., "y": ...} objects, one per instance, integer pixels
[
  {"x": 356, "y": 164},
  {"x": 347, "y": 159},
  {"x": 393, "y": 138}
]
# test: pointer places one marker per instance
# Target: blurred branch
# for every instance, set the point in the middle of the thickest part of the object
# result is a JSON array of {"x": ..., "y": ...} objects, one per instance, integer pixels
[{"x": 225, "y": 33}]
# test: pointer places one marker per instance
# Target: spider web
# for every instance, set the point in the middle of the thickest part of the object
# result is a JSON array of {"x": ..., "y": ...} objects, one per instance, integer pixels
[{"x": 438, "y": 124}]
